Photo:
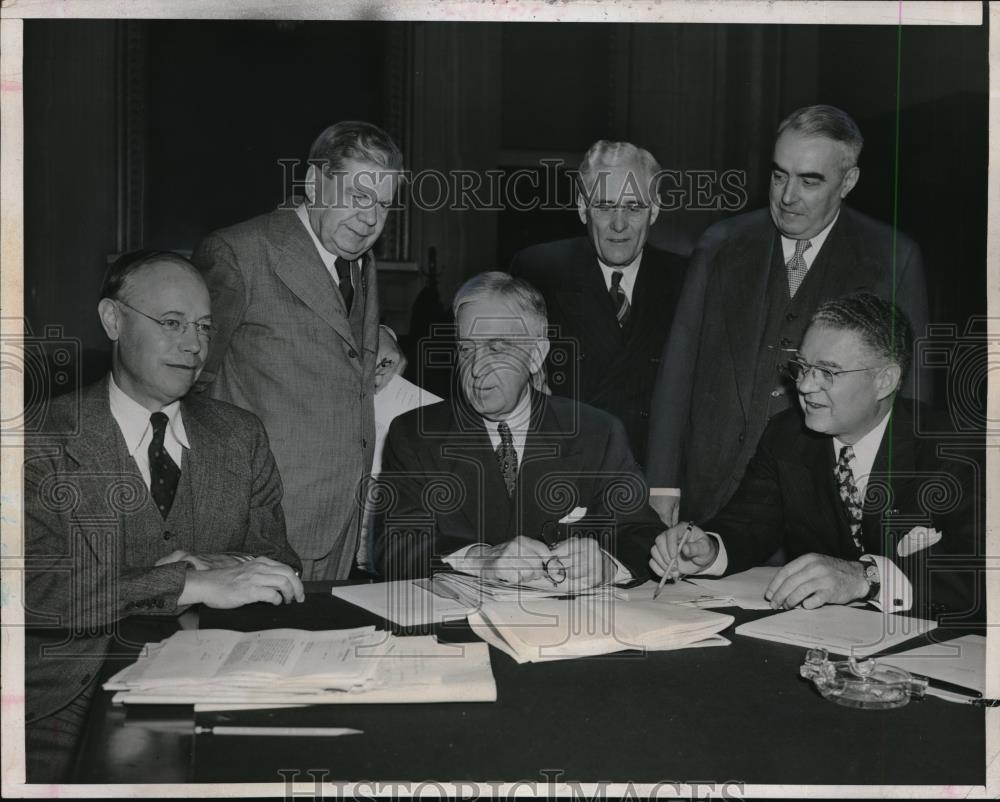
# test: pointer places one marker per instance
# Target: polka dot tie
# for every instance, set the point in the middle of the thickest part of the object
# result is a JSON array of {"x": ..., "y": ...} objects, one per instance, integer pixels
[
  {"x": 849, "y": 493},
  {"x": 796, "y": 266},
  {"x": 507, "y": 457},
  {"x": 164, "y": 475}
]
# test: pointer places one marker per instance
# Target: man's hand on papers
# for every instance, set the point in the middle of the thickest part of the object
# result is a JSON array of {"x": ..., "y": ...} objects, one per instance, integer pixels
[
  {"x": 519, "y": 560},
  {"x": 202, "y": 562},
  {"x": 698, "y": 553},
  {"x": 259, "y": 580},
  {"x": 813, "y": 580},
  {"x": 390, "y": 359},
  {"x": 586, "y": 565}
]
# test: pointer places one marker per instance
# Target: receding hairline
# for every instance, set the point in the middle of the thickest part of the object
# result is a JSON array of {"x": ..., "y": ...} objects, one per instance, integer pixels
[{"x": 154, "y": 263}]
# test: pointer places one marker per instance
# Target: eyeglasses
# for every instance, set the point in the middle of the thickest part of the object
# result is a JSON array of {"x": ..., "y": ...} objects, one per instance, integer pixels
[
  {"x": 174, "y": 328},
  {"x": 798, "y": 369},
  {"x": 632, "y": 209}
]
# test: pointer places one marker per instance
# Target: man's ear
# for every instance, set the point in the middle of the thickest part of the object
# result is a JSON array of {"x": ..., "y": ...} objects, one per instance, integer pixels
[
  {"x": 888, "y": 381},
  {"x": 538, "y": 354},
  {"x": 312, "y": 178},
  {"x": 850, "y": 179},
  {"x": 581, "y": 207},
  {"x": 110, "y": 318},
  {"x": 654, "y": 209}
]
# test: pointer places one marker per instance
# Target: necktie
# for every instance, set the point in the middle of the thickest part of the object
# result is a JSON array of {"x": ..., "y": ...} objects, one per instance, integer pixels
[
  {"x": 849, "y": 494},
  {"x": 164, "y": 475},
  {"x": 346, "y": 284},
  {"x": 797, "y": 266},
  {"x": 619, "y": 298},
  {"x": 507, "y": 457}
]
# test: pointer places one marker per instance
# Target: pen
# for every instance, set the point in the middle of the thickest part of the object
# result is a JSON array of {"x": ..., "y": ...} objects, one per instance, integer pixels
[
  {"x": 673, "y": 563},
  {"x": 298, "y": 731}
]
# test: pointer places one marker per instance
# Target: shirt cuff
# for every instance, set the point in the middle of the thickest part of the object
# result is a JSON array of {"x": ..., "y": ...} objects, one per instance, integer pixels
[
  {"x": 721, "y": 562},
  {"x": 389, "y": 329},
  {"x": 895, "y": 593},
  {"x": 664, "y": 491}
]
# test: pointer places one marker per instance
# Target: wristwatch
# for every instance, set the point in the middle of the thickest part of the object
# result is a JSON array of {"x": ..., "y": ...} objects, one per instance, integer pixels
[{"x": 872, "y": 578}]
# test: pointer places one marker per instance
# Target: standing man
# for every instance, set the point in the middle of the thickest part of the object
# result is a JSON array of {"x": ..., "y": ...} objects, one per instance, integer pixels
[
  {"x": 865, "y": 507},
  {"x": 294, "y": 296},
  {"x": 142, "y": 501},
  {"x": 754, "y": 282},
  {"x": 611, "y": 294}
]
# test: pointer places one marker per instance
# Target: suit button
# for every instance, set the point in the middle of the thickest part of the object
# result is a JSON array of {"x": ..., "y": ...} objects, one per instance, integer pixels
[
  {"x": 742, "y": 437},
  {"x": 167, "y": 535},
  {"x": 791, "y": 316},
  {"x": 777, "y": 393},
  {"x": 644, "y": 414},
  {"x": 352, "y": 354},
  {"x": 364, "y": 442},
  {"x": 785, "y": 342}
]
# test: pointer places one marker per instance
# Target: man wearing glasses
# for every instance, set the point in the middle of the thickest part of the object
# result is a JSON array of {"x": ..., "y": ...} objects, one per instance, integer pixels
[
  {"x": 864, "y": 507},
  {"x": 611, "y": 293},
  {"x": 505, "y": 481},
  {"x": 140, "y": 500}
]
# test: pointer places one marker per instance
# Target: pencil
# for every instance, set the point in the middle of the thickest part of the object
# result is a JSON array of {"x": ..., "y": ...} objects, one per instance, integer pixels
[
  {"x": 270, "y": 731},
  {"x": 672, "y": 564}
]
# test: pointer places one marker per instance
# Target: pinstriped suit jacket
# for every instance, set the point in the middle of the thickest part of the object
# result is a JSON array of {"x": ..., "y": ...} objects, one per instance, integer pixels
[
  {"x": 285, "y": 351},
  {"x": 89, "y": 562}
]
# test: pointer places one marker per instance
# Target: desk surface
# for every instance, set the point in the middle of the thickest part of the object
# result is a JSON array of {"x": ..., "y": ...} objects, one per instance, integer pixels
[{"x": 729, "y": 714}]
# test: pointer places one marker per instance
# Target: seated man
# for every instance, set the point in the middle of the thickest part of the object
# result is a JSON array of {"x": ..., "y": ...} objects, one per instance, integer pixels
[
  {"x": 508, "y": 480},
  {"x": 864, "y": 505},
  {"x": 142, "y": 501}
]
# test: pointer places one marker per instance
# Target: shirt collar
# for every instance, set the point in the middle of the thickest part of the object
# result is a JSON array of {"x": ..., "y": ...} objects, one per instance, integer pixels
[
  {"x": 867, "y": 447},
  {"x": 133, "y": 418},
  {"x": 627, "y": 270},
  {"x": 788, "y": 244},
  {"x": 327, "y": 257}
]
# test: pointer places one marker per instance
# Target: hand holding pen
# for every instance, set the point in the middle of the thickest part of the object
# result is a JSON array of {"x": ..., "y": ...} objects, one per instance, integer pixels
[{"x": 682, "y": 549}]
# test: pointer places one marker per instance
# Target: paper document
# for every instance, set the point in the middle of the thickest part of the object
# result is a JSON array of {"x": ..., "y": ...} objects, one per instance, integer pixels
[
  {"x": 398, "y": 396},
  {"x": 960, "y": 662},
  {"x": 555, "y": 629},
  {"x": 746, "y": 588},
  {"x": 838, "y": 629},
  {"x": 405, "y": 603},
  {"x": 473, "y": 591}
]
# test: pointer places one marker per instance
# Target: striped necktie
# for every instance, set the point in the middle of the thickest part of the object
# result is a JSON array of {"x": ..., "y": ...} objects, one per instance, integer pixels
[{"x": 618, "y": 297}]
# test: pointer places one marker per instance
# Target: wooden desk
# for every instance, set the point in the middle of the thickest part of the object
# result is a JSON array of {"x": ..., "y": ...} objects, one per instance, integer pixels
[{"x": 730, "y": 714}]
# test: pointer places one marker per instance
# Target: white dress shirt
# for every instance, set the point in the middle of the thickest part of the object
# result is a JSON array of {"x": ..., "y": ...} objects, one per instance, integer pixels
[
  {"x": 629, "y": 274},
  {"x": 810, "y": 254},
  {"x": 133, "y": 421},
  {"x": 895, "y": 587}
]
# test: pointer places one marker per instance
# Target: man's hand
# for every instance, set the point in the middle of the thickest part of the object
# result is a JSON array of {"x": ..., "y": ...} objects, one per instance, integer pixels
[
  {"x": 519, "y": 560},
  {"x": 259, "y": 580},
  {"x": 585, "y": 563},
  {"x": 667, "y": 507},
  {"x": 813, "y": 580},
  {"x": 390, "y": 359},
  {"x": 698, "y": 553},
  {"x": 202, "y": 562}
]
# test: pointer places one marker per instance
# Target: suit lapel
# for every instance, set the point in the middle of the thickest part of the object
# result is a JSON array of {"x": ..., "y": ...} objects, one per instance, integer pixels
[
  {"x": 743, "y": 278},
  {"x": 584, "y": 298},
  {"x": 841, "y": 263},
  {"x": 895, "y": 465},
  {"x": 207, "y": 460},
  {"x": 299, "y": 267},
  {"x": 819, "y": 459}
]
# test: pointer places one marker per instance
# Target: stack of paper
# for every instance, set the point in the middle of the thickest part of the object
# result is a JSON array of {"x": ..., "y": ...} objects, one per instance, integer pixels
[
  {"x": 287, "y": 666},
  {"x": 956, "y": 668},
  {"x": 554, "y": 629},
  {"x": 473, "y": 591}
]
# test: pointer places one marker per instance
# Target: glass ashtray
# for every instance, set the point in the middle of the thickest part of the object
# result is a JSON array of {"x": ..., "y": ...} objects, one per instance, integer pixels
[{"x": 867, "y": 684}]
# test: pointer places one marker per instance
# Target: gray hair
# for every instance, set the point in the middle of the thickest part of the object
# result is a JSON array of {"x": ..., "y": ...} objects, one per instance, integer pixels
[
  {"x": 881, "y": 325},
  {"x": 605, "y": 154},
  {"x": 828, "y": 122},
  {"x": 354, "y": 139}
]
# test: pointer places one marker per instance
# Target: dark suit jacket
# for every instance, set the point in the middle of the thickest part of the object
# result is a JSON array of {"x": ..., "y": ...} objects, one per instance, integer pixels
[
  {"x": 592, "y": 358},
  {"x": 707, "y": 418},
  {"x": 285, "y": 351},
  {"x": 789, "y": 498},
  {"x": 90, "y": 565},
  {"x": 443, "y": 490}
]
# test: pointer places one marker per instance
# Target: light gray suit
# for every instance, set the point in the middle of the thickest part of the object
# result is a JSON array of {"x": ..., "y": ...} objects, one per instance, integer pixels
[{"x": 287, "y": 351}]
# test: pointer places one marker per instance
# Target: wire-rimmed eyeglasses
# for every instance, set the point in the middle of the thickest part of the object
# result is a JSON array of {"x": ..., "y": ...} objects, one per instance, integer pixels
[
  {"x": 174, "y": 328},
  {"x": 798, "y": 369}
]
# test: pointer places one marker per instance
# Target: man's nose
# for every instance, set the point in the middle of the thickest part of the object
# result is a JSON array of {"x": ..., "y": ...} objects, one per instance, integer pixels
[
  {"x": 808, "y": 383},
  {"x": 619, "y": 220},
  {"x": 790, "y": 194},
  {"x": 190, "y": 342},
  {"x": 368, "y": 214}
]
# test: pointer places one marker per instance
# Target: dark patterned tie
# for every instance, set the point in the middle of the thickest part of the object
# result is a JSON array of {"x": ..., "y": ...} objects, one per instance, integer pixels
[
  {"x": 507, "y": 457},
  {"x": 849, "y": 494},
  {"x": 164, "y": 474},
  {"x": 346, "y": 284},
  {"x": 619, "y": 299},
  {"x": 797, "y": 267}
]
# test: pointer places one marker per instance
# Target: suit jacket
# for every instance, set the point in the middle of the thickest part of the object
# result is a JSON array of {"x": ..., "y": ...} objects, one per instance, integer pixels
[
  {"x": 593, "y": 359},
  {"x": 707, "y": 417},
  {"x": 89, "y": 557},
  {"x": 789, "y": 498},
  {"x": 442, "y": 487},
  {"x": 285, "y": 351}
]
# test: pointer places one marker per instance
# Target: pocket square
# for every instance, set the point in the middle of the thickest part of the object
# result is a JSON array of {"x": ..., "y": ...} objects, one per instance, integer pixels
[
  {"x": 574, "y": 516},
  {"x": 918, "y": 538}
]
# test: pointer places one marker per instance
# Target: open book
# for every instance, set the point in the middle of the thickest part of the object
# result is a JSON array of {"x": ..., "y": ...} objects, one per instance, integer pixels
[{"x": 554, "y": 629}]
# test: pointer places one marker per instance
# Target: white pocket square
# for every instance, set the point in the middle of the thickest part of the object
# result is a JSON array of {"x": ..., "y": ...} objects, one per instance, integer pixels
[
  {"x": 918, "y": 538},
  {"x": 574, "y": 516}
]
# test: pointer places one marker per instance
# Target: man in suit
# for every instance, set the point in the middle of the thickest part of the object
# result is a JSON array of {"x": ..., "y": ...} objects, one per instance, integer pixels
[
  {"x": 504, "y": 480},
  {"x": 864, "y": 506},
  {"x": 142, "y": 501},
  {"x": 753, "y": 283},
  {"x": 294, "y": 297},
  {"x": 611, "y": 294}
]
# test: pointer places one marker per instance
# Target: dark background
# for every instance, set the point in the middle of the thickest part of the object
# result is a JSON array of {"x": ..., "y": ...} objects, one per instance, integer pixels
[{"x": 153, "y": 133}]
